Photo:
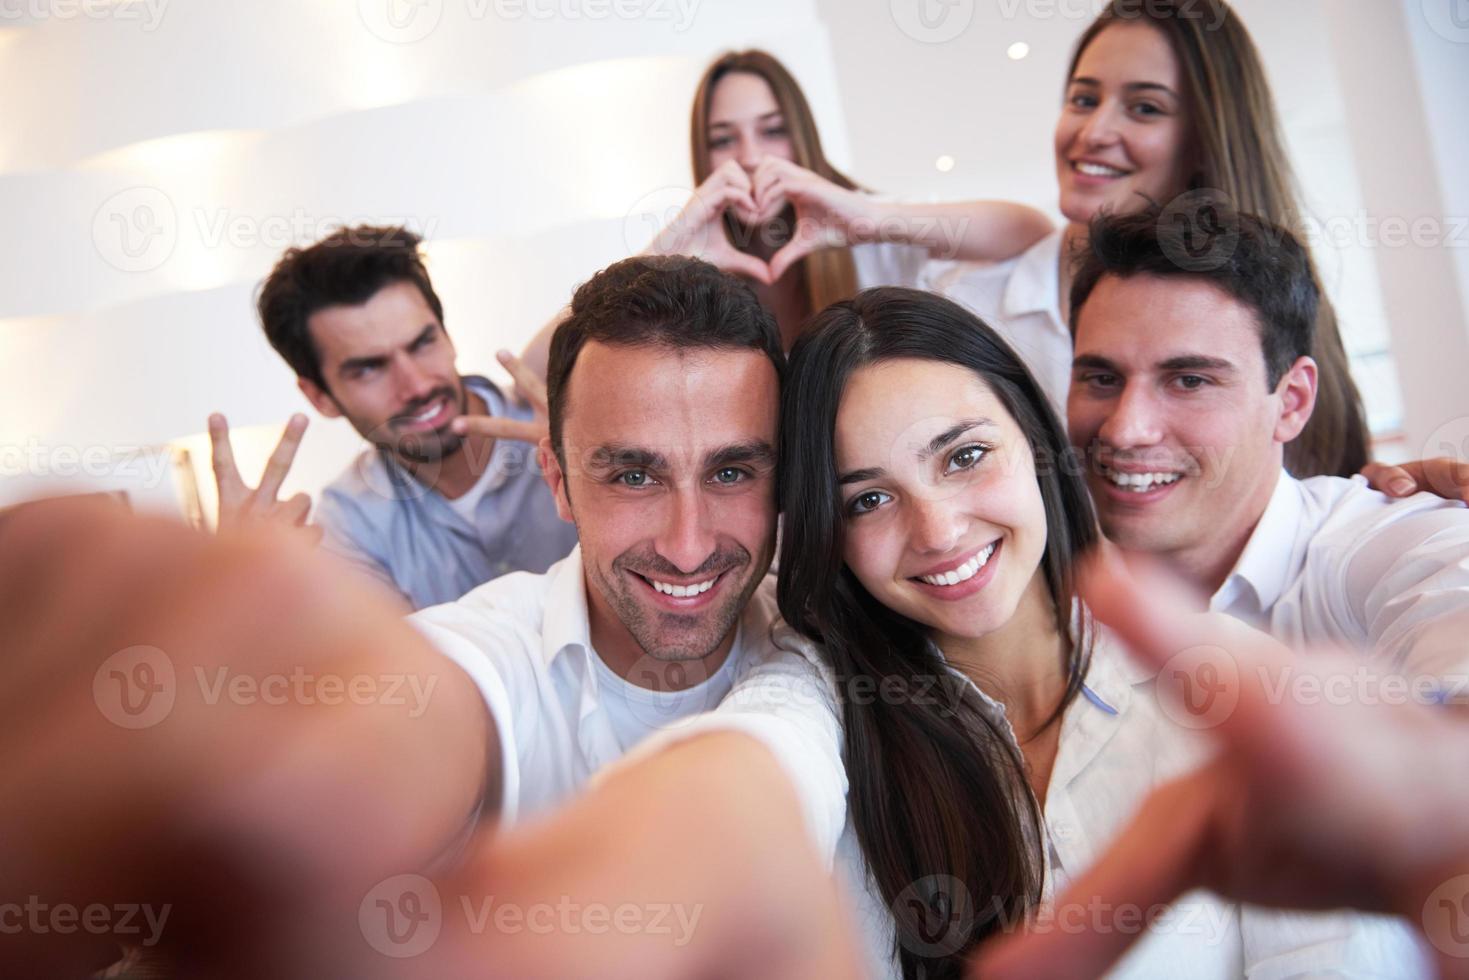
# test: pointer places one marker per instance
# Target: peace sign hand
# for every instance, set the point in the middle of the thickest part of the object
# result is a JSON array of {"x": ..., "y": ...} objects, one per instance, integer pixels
[{"x": 241, "y": 505}]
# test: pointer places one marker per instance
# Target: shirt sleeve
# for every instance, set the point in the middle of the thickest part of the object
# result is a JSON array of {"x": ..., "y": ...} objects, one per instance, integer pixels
[
  {"x": 1408, "y": 588},
  {"x": 342, "y": 537},
  {"x": 1281, "y": 945},
  {"x": 788, "y": 704},
  {"x": 483, "y": 652}
]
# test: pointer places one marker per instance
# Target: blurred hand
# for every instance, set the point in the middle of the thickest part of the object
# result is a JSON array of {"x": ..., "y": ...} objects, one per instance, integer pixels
[
  {"x": 209, "y": 727},
  {"x": 243, "y": 506},
  {"x": 531, "y": 389},
  {"x": 698, "y": 230},
  {"x": 1313, "y": 803},
  {"x": 1443, "y": 475},
  {"x": 827, "y": 216}
]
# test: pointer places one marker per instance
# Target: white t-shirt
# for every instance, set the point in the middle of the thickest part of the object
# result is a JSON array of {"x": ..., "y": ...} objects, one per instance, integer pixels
[
  {"x": 525, "y": 640},
  {"x": 467, "y": 504}
]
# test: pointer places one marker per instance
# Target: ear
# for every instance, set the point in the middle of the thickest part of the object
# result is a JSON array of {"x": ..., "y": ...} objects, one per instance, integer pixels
[
  {"x": 322, "y": 401},
  {"x": 1297, "y": 391},
  {"x": 555, "y": 479}
]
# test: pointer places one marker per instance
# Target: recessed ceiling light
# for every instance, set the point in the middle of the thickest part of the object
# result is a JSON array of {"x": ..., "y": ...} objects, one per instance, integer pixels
[
  {"x": 1018, "y": 50},
  {"x": 944, "y": 163}
]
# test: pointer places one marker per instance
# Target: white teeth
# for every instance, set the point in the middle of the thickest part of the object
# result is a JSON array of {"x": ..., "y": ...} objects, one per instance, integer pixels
[
  {"x": 964, "y": 572},
  {"x": 684, "y": 591},
  {"x": 432, "y": 411},
  {"x": 1099, "y": 170},
  {"x": 1142, "y": 482}
]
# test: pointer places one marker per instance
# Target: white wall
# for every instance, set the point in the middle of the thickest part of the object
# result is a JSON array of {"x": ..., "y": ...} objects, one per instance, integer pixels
[{"x": 165, "y": 151}]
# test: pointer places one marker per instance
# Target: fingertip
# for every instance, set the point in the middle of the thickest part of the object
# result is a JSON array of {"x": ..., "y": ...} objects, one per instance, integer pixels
[{"x": 1401, "y": 486}]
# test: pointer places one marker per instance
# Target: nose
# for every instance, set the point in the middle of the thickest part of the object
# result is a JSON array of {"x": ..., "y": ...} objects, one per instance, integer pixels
[
  {"x": 937, "y": 526},
  {"x": 687, "y": 539},
  {"x": 1101, "y": 129},
  {"x": 749, "y": 153},
  {"x": 413, "y": 383},
  {"x": 1132, "y": 422}
]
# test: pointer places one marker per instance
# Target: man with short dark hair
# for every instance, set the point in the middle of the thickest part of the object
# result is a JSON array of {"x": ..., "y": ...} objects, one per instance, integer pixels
[
  {"x": 1191, "y": 374},
  {"x": 427, "y": 511},
  {"x": 664, "y": 394}
]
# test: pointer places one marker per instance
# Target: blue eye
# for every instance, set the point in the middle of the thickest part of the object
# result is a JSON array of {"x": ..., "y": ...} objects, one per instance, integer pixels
[
  {"x": 633, "y": 478},
  {"x": 729, "y": 476},
  {"x": 866, "y": 503}
]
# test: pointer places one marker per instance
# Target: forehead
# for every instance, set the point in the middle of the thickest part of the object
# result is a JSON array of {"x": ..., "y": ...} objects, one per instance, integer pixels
[
  {"x": 1143, "y": 319},
  {"x": 681, "y": 403},
  {"x": 391, "y": 318},
  {"x": 741, "y": 96},
  {"x": 1130, "y": 52},
  {"x": 891, "y": 410}
]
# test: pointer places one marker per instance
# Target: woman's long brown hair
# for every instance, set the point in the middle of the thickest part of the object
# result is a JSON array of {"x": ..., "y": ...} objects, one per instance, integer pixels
[
  {"x": 829, "y": 274},
  {"x": 937, "y": 790},
  {"x": 1234, "y": 145}
]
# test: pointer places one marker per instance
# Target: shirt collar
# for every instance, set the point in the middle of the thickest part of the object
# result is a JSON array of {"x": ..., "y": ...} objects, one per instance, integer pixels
[
  {"x": 565, "y": 621},
  {"x": 1271, "y": 558},
  {"x": 1035, "y": 283}
]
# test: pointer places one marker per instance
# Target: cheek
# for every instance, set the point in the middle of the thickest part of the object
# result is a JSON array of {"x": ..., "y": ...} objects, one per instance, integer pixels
[
  {"x": 782, "y": 149},
  {"x": 1158, "y": 150},
  {"x": 718, "y": 158},
  {"x": 870, "y": 554}
]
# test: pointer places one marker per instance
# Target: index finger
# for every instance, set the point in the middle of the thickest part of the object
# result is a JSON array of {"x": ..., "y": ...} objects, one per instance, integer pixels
[
  {"x": 222, "y": 454},
  {"x": 280, "y": 460},
  {"x": 530, "y": 384}
]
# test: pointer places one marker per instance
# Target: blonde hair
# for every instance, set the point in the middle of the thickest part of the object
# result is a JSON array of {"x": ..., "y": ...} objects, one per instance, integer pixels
[
  {"x": 1233, "y": 144},
  {"x": 829, "y": 274}
]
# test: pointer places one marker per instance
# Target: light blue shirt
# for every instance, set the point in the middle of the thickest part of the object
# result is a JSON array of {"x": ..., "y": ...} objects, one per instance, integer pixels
[{"x": 406, "y": 535}]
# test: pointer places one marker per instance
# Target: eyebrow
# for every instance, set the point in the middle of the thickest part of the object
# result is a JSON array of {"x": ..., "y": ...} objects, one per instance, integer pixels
[
  {"x": 614, "y": 454},
  {"x": 758, "y": 453},
  {"x": 1184, "y": 362},
  {"x": 1130, "y": 86},
  {"x": 729, "y": 125},
  {"x": 356, "y": 363},
  {"x": 937, "y": 443}
]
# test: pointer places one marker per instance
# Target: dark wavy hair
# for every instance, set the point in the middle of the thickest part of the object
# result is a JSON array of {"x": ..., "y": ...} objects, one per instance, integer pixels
[
  {"x": 937, "y": 792},
  {"x": 346, "y": 268}
]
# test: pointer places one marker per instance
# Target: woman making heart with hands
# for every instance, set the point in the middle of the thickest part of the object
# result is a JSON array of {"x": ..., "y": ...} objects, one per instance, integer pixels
[{"x": 771, "y": 207}]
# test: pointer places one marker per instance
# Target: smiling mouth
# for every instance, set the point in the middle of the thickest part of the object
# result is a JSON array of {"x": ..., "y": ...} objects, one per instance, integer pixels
[
  {"x": 1140, "y": 482},
  {"x": 439, "y": 409},
  {"x": 681, "y": 591},
  {"x": 964, "y": 572},
  {"x": 1097, "y": 169}
]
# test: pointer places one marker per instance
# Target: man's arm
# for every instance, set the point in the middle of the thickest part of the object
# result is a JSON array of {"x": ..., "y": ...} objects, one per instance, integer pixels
[{"x": 221, "y": 726}]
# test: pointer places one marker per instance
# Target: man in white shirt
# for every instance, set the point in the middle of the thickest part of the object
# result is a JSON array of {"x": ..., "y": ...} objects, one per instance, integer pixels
[
  {"x": 663, "y": 390},
  {"x": 1189, "y": 379}
]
